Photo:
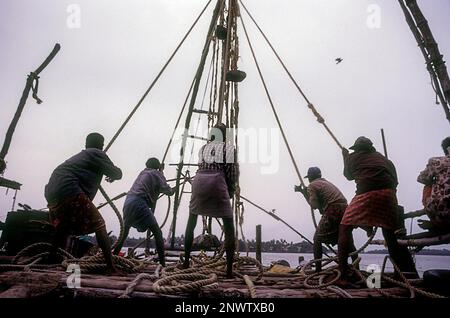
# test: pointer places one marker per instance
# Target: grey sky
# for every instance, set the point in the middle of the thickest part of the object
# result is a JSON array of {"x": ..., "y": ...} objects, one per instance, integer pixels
[{"x": 104, "y": 67}]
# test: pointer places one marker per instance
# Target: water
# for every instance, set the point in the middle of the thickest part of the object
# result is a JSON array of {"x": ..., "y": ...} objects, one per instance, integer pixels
[{"x": 423, "y": 262}]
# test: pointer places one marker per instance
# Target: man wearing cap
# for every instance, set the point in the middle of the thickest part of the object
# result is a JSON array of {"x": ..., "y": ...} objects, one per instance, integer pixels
[
  {"x": 70, "y": 191},
  {"x": 139, "y": 206},
  {"x": 331, "y": 203},
  {"x": 436, "y": 200},
  {"x": 375, "y": 203}
]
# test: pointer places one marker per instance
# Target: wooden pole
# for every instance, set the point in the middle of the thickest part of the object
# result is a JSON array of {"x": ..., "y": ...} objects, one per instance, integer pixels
[
  {"x": 384, "y": 143},
  {"x": 198, "y": 77},
  {"x": 430, "y": 50},
  {"x": 258, "y": 243},
  {"x": 432, "y": 46},
  {"x": 28, "y": 86},
  {"x": 226, "y": 61}
]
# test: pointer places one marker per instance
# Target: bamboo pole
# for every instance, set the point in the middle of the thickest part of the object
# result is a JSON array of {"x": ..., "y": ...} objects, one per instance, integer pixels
[
  {"x": 258, "y": 243},
  {"x": 384, "y": 144},
  {"x": 34, "y": 76},
  {"x": 430, "y": 50},
  {"x": 198, "y": 78}
]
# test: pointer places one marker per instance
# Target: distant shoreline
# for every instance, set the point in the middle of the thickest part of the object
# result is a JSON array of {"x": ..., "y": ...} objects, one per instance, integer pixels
[{"x": 428, "y": 252}]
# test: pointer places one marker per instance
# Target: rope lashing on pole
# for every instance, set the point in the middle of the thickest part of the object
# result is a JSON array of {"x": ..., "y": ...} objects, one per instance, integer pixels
[
  {"x": 156, "y": 79},
  {"x": 31, "y": 84},
  {"x": 319, "y": 117}
]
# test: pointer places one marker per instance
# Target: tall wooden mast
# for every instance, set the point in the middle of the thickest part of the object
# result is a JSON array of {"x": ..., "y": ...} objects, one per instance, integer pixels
[{"x": 222, "y": 38}]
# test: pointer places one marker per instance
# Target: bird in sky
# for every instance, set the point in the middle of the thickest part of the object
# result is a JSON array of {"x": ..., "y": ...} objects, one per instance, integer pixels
[{"x": 338, "y": 60}]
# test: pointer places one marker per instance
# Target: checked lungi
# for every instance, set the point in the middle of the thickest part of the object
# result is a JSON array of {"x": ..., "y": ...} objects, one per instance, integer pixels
[{"x": 374, "y": 208}]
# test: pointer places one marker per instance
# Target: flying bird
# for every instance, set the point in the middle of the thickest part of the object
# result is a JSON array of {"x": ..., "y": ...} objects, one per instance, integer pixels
[{"x": 338, "y": 60}]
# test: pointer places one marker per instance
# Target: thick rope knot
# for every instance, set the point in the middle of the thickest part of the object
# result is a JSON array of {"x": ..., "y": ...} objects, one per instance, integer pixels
[{"x": 316, "y": 113}]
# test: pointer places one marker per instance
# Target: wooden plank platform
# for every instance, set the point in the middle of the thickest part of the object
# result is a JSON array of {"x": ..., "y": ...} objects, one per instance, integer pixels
[{"x": 53, "y": 283}]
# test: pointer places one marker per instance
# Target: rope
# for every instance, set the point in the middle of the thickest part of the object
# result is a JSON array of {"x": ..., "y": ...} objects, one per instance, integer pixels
[
  {"x": 132, "y": 286},
  {"x": 34, "y": 78},
  {"x": 203, "y": 269},
  {"x": 198, "y": 76},
  {"x": 271, "y": 104},
  {"x": 276, "y": 115},
  {"x": 328, "y": 260},
  {"x": 251, "y": 286},
  {"x": 13, "y": 267},
  {"x": 321, "y": 284},
  {"x": 197, "y": 281},
  {"x": 34, "y": 248},
  {"x": 405, "y": 282},
  {"x": 87, "y": 264},
  {"x": 27, "y": 268},
  {"x": 156, "y": 79},
  {"x": 178, "y": 122},
  {"x": 276, "y": 217},
  {"x": 119, "y": 242},
  {"x": 339, "y": 291},
  {"x": 319, "y": 118},
  {"x": 97, "y": 263}
]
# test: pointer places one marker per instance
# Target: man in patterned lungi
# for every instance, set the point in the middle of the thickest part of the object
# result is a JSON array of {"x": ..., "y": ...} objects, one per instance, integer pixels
[
  {"x": 436, "y": 178},
  {"x": 321, "y": 194},
  {"x": 70, "y": 191},
  {"x": 375, "y": 204},
  {"x": 213, "y": 187}
]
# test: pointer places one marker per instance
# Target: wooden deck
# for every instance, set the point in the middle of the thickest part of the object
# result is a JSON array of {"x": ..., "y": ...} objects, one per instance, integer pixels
[{"x": 53, "y": 283}]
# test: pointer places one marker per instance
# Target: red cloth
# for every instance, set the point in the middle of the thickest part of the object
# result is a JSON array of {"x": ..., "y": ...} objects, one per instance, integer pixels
[
  {"x": 375, "y": 208},
  {"x": 76, "y": 216},
  {"x": 426, "y": 194}
]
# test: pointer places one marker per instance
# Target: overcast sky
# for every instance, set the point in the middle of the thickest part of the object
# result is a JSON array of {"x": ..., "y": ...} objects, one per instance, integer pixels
[{"x": 106, "y": 64}]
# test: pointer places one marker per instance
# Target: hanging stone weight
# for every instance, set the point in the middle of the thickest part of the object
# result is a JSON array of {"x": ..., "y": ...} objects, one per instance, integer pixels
[
  {"x": 221, "y": 32},
  {"x": 235, "y": 76}
]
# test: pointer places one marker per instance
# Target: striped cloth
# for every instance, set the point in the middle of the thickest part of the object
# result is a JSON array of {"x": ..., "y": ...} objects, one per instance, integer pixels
[{"x": 375, "y": 208}]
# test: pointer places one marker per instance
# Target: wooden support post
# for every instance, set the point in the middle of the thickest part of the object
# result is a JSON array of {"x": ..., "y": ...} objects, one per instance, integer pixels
[
  {"x": 384, "y": 143},
  {"x": 31, "y": 80},
  {"x": 258, "y": 243},
  {"x": 210, "y": 225}
]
